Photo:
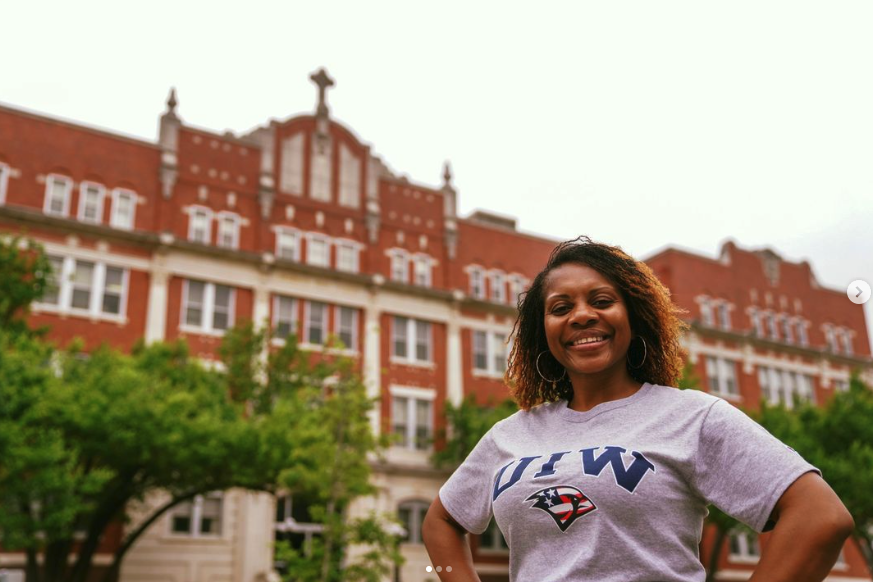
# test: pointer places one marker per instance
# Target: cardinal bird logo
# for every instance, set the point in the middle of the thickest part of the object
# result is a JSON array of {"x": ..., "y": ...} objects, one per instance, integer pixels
[{"x": 565, "y": 504}]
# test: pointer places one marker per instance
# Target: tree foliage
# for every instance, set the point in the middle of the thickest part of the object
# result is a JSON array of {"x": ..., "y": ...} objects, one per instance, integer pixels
[
  {"x": 467, "y": 424},
  {"x": 83, "y": 436}
]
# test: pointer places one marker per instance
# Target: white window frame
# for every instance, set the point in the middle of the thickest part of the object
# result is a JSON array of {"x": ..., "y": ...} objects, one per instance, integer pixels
[
  {"x": 50, "y": 181},
  {"x": 749, "y": 548},
  {"x": 295, "y": 235},
  {"x": 337, "y": 323},
  {"x": 831, "y": 343},
  {"x": 492, "y": 338},
  {"x": 517, "y": 283},
  {"x": 224, "y": 218},
  {"x": 417, "y": 510},
  {"x": 410, "y": 327},
  {"x": 193, "y": 211},
  {"x": 294, "y": 324},
  {"x": 422, "y": 270},
  {"x": 307, "y": 323},
  {"x": 208, "y": 309},
  {"x": 706, "y": 316},
  {"x": 756, "y": 316},
  {"x": 115, "y": 220},
  {"x": 320, "y": 185},
  {"x": 772, "y": 326},
  {"x": 497, "y": 281},
  {"x": 723, "y": 315},
  {"x": 413, "y": 395},
  {"x": 4, "y": 182},
  {"x": 100, "y": 189},
  {"x": 196, "y": 516},
  {"x": 97, "y": 289},
  {"x": 787, "y": 329},
  {"x": 477, "y": 281},
  {"x": 399, "y": 268},
  {"x": 780, "y": 385},
  {"x": 802, "y": 334},
  {"x": 348, "y": 255},
  {"x": 350, "y": 178},
  {"x": 312, "y": 237},
  {"x": 844, "y": 340},
  {"x": 721, "y": 373}
]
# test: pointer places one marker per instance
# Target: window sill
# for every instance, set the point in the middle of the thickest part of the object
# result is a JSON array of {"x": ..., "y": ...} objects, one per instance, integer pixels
[
  {"x": 487, "y": 374},
  {"x": 200, "y": 331},
  {"x": 736, "y": 559},
  {"x": 192, "y": 539},
  {"x": 79, "y": 313},
  {"x": 413, "y": 363}
]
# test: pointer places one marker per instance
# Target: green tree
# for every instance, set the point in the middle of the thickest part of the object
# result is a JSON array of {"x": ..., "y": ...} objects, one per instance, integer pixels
[
  {"x": 26, "y": 275},
  {"x": 467, "y": 424}
]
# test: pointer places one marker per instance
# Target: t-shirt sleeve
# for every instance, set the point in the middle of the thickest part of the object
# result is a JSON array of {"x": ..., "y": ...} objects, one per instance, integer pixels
[
  {"x": 742, "y": 469},
  {"x": 467, "y": 493}
]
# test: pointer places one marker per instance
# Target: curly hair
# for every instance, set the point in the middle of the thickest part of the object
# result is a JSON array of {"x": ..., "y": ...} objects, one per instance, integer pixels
[{"x": 651, "y": 314}]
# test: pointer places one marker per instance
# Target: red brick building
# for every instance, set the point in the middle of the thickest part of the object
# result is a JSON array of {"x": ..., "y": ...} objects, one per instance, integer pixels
[{"x": 299, "y": 225}]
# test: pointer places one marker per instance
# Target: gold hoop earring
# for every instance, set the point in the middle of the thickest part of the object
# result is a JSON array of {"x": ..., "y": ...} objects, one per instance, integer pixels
[
  {"x": 645, "y": 354},
  {"x": 552, "y": 382}
]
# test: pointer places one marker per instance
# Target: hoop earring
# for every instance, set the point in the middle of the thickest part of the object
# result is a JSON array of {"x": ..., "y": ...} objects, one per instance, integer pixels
[
  {"x": 645, "y": 355},
  {"x": 552, "y": 382}
]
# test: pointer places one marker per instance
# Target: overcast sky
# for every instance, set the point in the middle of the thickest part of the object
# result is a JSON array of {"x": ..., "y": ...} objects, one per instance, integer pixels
[{"x": 643, "y": 124}]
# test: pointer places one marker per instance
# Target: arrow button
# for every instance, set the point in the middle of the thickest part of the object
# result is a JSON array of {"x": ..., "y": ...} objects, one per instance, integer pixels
[{"x": 858, "y": 292}]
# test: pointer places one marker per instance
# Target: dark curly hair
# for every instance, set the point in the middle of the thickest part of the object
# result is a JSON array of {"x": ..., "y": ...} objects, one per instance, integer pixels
[{"x": 651, "y": 314}]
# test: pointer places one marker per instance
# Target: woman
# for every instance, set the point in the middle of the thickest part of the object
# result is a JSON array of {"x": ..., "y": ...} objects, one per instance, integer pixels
[{"x": 605, "y": 473}]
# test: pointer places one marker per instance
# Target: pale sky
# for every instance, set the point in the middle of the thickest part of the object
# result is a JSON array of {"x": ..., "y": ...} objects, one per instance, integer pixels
[{"x": 642, "y": 124}]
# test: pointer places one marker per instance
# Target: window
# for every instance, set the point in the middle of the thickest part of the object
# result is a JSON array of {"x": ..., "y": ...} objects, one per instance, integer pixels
[
  {"x": 91, "y": 202},
  {"x": 346, "y": 322},
  {"x": 316, "y": 322},
  {"x": 399, "y": 265},
  {"x": 207, "y": 307},
  {"x": 757, "y": 322},
  {"x": 831, "y": 339},
  {"x": 744, "y": 546},
  {"x": 319, "y": 187},
  {"x": 802, "y": 336},
  {"x": 4, "y": 182},
  {"x": 350, "y": 178},
  {"x": 841, "y": 385},
  {"x": 288, "y": 244},
  {"x": 846, "y": 341},
  {"x": 787, "y": 330},
  {"x": 83, "y": 279},
  {"x": 783, "y": 386},
  {"x": 294, "y": 522},
  {"x": 722, "y": 377},
  {"x": 411, "y": 340},
  {"x": 78, "y": 286},
  {"x": 347, "y": 256},
  {"x": 123, "y": 209},
  {"x": 228, "y": 230},
  {"x": 317, "y": 250},
  {"x": 498, "y": 286},
  {"x": 772, "y": 326},
  {"x": 411, "y": 515},
  {"x": 489, "y": 352},
  {"x": 706, "y": 313},
  {"x": 284, "y": 316},
  {"x": 200, "y": 225},
  {"x": 412, "y": 417},
  {"x": 291, "y": 178},
  {"x": 724, "y": 315},
  {"x": 492, "y": 539},
  {"x": 200, "y": 517},
  {"x": 477, "y": 282},
  {"x": 422, "y": 269},
  {"x": 517, "y": 285},
  {"x": 57, "y": 195}
]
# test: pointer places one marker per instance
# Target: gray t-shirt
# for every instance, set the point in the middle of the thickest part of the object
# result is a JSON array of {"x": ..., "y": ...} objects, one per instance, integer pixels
[{"x": 619, "y": 493}]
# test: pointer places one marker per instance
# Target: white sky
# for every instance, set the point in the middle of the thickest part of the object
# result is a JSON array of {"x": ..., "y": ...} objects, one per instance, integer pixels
[{"x": 642, "y": 124}]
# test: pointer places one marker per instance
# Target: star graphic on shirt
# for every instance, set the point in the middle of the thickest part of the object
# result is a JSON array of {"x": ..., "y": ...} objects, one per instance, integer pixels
[
  {"x": 550, "y": 493},
  {"x": 549, "y": 502}
]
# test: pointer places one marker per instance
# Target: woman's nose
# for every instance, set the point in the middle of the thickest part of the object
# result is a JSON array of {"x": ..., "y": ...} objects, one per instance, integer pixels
[{"x": 582, "y": 314}]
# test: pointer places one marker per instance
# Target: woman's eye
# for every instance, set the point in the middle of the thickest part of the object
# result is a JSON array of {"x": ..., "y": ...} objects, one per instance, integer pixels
[
  {"x": 603, "y": 302},
  {"x": 559, "y": 309}
]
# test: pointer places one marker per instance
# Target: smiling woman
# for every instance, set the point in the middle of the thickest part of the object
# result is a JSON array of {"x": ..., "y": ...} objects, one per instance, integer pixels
[{"x": 610, "y": 468}]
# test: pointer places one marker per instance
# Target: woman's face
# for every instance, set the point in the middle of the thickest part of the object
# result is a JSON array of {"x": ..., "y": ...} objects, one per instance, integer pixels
[{"x": 586, "y": 320}]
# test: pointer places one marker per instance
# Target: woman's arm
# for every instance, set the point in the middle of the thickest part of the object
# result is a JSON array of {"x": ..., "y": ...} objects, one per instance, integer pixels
[
  {"x": 811, "y": 526},
  {"x": 447, "y": 545}
]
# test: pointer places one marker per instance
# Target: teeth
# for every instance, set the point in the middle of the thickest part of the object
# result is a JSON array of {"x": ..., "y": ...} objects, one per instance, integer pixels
[{"x": 588, "y": 340}]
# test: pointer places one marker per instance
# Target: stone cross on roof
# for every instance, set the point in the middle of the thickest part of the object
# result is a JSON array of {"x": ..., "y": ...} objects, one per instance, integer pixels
[{"x": 323, "y": 81}]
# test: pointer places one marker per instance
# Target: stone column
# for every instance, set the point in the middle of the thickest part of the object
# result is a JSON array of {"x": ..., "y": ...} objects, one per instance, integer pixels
[{"x": 156, "y": 310}]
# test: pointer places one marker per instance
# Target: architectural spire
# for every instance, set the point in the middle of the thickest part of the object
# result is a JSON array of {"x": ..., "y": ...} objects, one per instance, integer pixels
[
  {"x": 447, "y": 174},
  {"x": 172, "y": 101},
  {"x": 323, "y": 81}
]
